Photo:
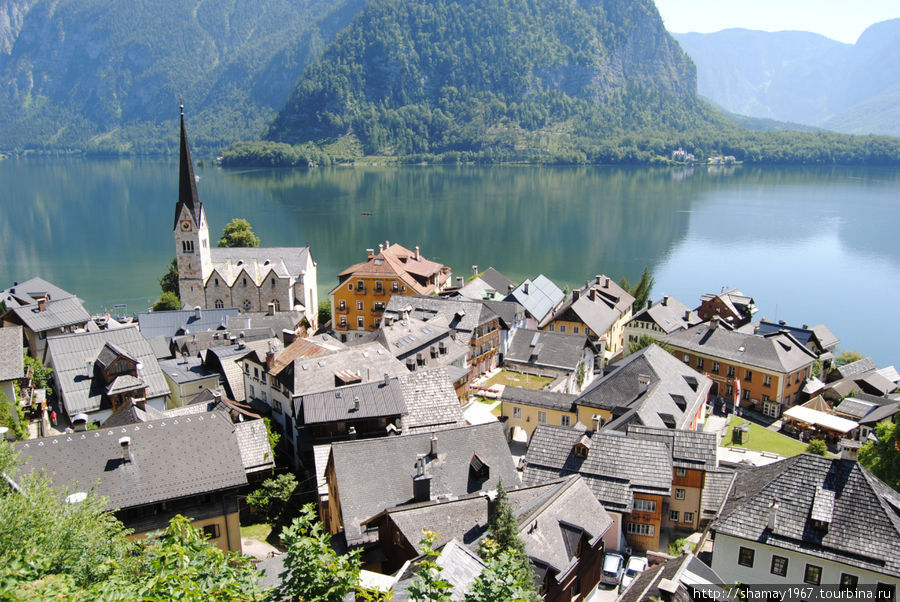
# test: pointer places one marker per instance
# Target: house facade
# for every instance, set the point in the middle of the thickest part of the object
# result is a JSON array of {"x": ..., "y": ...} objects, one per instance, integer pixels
[
  {"x": 48, "y": 318},
  {"x": 765, "y": 372},
  {"x": 659, "y": 319},
  {"x": 250, "y": 279},
  {"x": 359, "y": 300}
]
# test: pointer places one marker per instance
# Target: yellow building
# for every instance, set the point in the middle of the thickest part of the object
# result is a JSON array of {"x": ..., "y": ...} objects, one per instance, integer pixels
[
  {"x": 600, "y": 309},
  {"x": 526, "y": 409},
  {"x": 359, "y": 300}
]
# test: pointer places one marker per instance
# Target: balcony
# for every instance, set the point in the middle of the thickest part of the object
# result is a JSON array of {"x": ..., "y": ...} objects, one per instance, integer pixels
[
  {"x": 379, "y": 291},
  {"x": 378, "y": 310},
  {"x": 360, "y": 290},
  {"x": 342, "y": 310},
  {"x": 342, "y": 326}
]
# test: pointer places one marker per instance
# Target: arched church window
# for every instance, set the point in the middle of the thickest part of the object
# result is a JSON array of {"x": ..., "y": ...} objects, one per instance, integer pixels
[
  {"x": 276, "y": 304},
  {"x": 246, "y": 304},
  {"x": 219, "y": 304}
]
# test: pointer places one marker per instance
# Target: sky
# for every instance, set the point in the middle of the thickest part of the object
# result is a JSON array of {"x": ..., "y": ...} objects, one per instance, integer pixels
[{"x": 841, "y": 20}]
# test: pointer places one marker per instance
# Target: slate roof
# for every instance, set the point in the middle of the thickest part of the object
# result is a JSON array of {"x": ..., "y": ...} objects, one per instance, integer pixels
[
  {"x": 460, "y": 315},
  {"x": 880, "y": 413},
  {"x": 196, "y": 342},
  {"x": 716, "y": 487},
  {"x": 460, "y": 567},
  {"x": 854, "y": 407},
  {"x": 778, "y": 352},
  {"x": 690, "y": 449},
  {"x": 411, "y": 338},
  {"x": 376, "y": 399},
  {"x": 28, "y": 292},
  {"x": 616, "y": 466},
  {"x": 171, "y": 458},
  {"x": 431, "y": 401},
  {"x": 865, "y": 513},
  {"x": 253, "y": 444},
  {"x": 376, "y": 474},
  {"x": 124, "y": 383},
  {"x": 187, "y": 183},
  {"x": 877, "y": 382},
  {"x": 857, "y": 368},
  {"x": 185, "y": 370},
  {"x": 57, "y": 313},
  {"x": 227, "y": 357},
  {"x": 496, "y": 280},
  {"x": 67, "y": 354},
  {"x": 541, "y": 298},
  {"x": 598, "y": 304},
  {"x": 282, "y": 320},
  {"x": 646, "y": 386},
  {"x": 510, "y": 312},
  {"x": 685, "y": 572},
  {"x": 547, "y": 349},
  {"x": 827, "y": 339},
  {"x": 370, "y": 362},
  {"x": 550, "y": 400},
  {"x": 668, "y": 313},
  {"x": 182, "y": 321},
  {"x": 259, "y": 262},
  {"x": 12, "y": 358}
]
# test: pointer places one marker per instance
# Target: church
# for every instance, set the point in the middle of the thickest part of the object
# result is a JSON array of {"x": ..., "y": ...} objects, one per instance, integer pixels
[{"x": 252, "y": 279}]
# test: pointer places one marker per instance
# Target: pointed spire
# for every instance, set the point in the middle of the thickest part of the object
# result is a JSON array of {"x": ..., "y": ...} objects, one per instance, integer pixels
[{"x": 187, "y": 183}]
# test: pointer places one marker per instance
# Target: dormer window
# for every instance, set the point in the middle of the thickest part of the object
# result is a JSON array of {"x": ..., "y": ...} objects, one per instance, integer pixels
[
  {"x": 583, "y": 447},
  {"x": 479, "y": 470}
]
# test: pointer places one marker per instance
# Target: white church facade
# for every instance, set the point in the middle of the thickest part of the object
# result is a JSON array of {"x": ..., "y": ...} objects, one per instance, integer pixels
[{"x": 253, "y": 279}]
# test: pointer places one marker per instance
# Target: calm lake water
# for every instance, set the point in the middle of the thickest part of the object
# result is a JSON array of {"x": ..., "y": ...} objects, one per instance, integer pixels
[{"x": 810, "y": 245}]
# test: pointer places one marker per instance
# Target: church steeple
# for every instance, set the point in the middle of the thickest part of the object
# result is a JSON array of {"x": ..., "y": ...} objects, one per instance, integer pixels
[{"x": 187, "y": 183}]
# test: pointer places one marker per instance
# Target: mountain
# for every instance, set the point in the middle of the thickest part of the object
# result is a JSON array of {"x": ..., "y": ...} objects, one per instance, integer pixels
[
  {"x": 803, "y": 77},
  {"x": 431, "y": 76},
  {"x": 107, "y": 75}
]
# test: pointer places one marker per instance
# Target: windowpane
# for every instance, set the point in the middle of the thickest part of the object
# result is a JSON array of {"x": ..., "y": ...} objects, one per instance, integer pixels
[
  {"x": 745, "y": 556},
  {"x": 779, "y": 566},
  {"x": 813, "y": 574}
]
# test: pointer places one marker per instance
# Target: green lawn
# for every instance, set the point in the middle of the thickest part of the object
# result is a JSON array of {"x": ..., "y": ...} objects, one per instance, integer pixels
[
  {"x": 517, "y": 379},
  {"x": 762, "y": 439},
  {"x": 257, "y": 531}
]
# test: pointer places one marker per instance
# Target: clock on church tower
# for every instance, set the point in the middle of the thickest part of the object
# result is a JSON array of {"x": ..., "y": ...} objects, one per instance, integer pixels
[{"x": 185, "y": 225}]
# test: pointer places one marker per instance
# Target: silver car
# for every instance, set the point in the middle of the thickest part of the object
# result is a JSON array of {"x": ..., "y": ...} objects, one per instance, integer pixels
[
  {"x": 635, "y": 566},
  {"x": 613, "y": 567}
]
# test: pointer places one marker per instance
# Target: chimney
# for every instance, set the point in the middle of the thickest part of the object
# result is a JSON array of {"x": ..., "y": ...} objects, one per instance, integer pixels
[
  {"x": 270, "y": 309},
  {"x": 510, "y": 288},
  {"x": 773, "y": 514},
  {"x": 421, "y": 483},
  {"x": 370, "y": 253},
  {"x": 806, "y": 327},
  {"x": 416, "y": 254},
  {"x": 475, "y": 270},
  {"x": 459, "y": 282},
  {"x": 714, "y": 323},
  {"x": 270, "y": 358},
  {"x": 598, "y": 279},
  {"x": 756, "y": 328},
  {"x": 525, "y": 288},
  {"x": 649, "y": 303},
  {"x": 665, "y": 300},
  {"x": 42, "y": 304},
  {"x": 850, "y": 450},
  {"x": 782, "y": 323},
  {"x": 351, "y": 433},
  {"x": 687, "y": 315},
  {"x": 387, "y": 245},
  {"x": 125, "y": 444},
  {"x": 380, "y": 248},
  {"x": 197, "y": 312},
  {"x": 606, "y": 283},
  {"x": 596, "y": 422},
  {"x": 575, "y": 294},
  {"x": 434, "y": 445},
  {"x": 387, "y": 379},
  {"x": 288, "y": 337},
  {"x": 356, "y": 404}
]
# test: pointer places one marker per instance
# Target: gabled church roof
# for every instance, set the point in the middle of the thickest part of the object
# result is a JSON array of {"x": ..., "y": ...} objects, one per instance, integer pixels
[{"x": 187, "y": 183}]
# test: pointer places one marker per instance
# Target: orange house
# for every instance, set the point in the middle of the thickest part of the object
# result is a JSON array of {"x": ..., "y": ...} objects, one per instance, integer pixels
[{"x": 364, "y": 289}]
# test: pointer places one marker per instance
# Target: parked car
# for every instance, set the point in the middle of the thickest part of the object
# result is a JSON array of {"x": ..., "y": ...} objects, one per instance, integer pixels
[
  {"x": 613, "y": 567},
  {"x": 634, "y": 567}
]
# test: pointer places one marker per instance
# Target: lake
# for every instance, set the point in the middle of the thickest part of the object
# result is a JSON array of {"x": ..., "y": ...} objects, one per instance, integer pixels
[{"x": 810, "y": 245}]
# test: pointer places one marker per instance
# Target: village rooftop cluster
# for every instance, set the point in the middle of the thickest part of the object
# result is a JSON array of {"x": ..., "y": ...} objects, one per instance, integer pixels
[{"x": 422, "y": 393}]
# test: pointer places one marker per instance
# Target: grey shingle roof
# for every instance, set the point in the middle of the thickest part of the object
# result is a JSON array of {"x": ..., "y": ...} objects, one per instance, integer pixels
[
  {"x": 460, "y": 567},
  {"x": 690, "y": 449},
  {"x": 58, "y": 313},
  {"x": 779, "y": 352},
  {"x": 413, "y": 338},
  {"x": 598, "y": 304},
  {"x": 259, "y": 261},
  {"x": 376, "y": 399},
  {"x": 12, "y": 362},
  {"x": 124, "y": 383},
  {"x": 854, "y": 407},
  {"x": 28, "y": 292},
  {"x": 880, "y": 413},
  {"x": 282, "y": 320},
  {"x": 253, "y": 443},
  {"x": 716, "y": 487},
  {"x": 171, "y": 458},
  {"x": 865, "y": 514},
  {"x": 68, "y": 355},
  {"x": 170, "y": 323},
  {"x": 856, "y": 368},
  {"x": 510, "y": 312},
  {"x": 541, "y": 298},
  {"x": 651, "y": 383},
  {"x": 686, "y": 572},
  {"x": 185, "y": 370},
  {"x": 496, "y": 280},
  {"x": 431, "y": 401},
  {"x": 376, "y": 474},
  {"x": 547, "y": 349},
  {"x": 370, "y": 362},
  {"x": 539, "y": 399},
  {"x": 461, "y": 315},
  {"x": 616, "y": 466},
  {"x": 668, "y": 313}
]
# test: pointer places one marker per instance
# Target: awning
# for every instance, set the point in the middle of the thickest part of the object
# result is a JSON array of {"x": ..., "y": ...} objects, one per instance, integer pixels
[{"x": 816, "y": 418}]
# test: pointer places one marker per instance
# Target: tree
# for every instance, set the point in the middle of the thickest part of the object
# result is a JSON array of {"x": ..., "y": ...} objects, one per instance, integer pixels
[
  {"x": 324, "y": 311},
  {"x": 238, "y": 234},
  {"x": 273, "y": 435},
  {"x": 817, "y": 447},
  {"x": 167, "y": 302},
  {"x": 169, "y": 281},
  {"x": 41, "y": 375},
  {"x": 12, "y": 417},
  {"x": 273, "y": 498},
  {"x": 640, "y": 291},
  {"x": 882, "y": 457},
  {"x": 645, "y": 340},
  {"x": 503, "y": 528},
  {"x": 847, "y": 357},
  {"x": 506, "y": 576},
  {"x": 427, "y": 585},
  {"x": 313, "y": 571}
]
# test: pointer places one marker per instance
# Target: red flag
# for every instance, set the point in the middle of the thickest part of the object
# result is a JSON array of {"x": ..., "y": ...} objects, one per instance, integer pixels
[{"x": 737, "y": 393}]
